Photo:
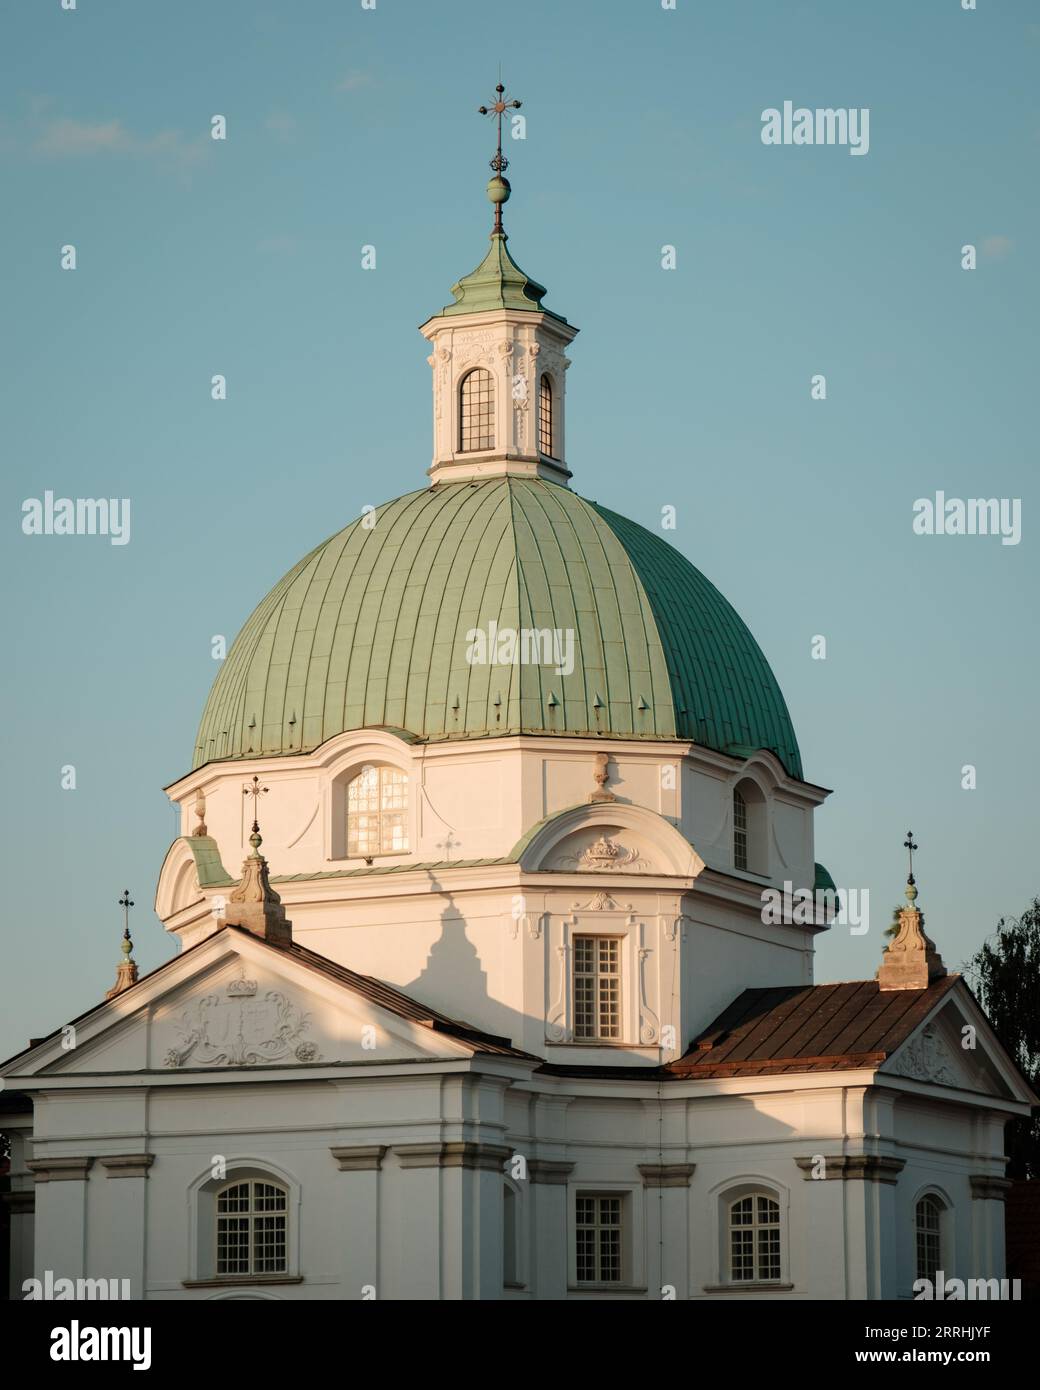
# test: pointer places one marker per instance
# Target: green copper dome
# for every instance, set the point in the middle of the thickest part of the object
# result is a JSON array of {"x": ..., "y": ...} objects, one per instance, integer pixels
[{"x": 374, "y": 627}]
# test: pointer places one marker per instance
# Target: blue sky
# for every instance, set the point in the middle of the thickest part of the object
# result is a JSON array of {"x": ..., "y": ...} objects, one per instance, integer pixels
[{"x": 691, "y": 388}]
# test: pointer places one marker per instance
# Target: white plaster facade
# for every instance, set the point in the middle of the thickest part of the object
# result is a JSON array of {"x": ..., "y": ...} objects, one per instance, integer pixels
[{"x": 393, "y": 1157}]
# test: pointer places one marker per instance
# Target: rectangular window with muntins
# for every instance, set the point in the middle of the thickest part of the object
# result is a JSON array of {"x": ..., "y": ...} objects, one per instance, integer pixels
[
  {"x": 598, "y": 1235},
  {"x": 597, "y": 988},
  {"x": 251, "y": 1229}
]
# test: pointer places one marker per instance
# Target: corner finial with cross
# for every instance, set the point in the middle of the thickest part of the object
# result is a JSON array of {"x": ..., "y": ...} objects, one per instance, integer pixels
[
  {"x": 126, "y": 902},
  {"x": 256, "y": 791},
  {"x": 911, "y": 882}
]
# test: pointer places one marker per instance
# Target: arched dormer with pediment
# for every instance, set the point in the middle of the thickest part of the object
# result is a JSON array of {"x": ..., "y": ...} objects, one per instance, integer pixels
[{"x": 612, "y": 838}]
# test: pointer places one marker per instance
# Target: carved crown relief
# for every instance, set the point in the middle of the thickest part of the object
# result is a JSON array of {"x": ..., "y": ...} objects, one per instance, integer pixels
[
  {"x": 240, "y": 1028},
  {"x": 603, "y": 855}
]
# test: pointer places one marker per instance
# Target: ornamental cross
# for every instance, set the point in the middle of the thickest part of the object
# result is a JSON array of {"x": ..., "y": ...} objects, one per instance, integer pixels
[
  {"x": 126, "y": 903},
  {"x": 256, "y": 791},
  {"x": 499, "y": 162},
  {"x": 908, "y": 844}
]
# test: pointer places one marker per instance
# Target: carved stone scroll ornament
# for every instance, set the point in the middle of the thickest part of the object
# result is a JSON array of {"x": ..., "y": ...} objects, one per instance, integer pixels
[
  {"x": 649, "y": 1023},
  {"x": 238, "y": 1029},
  {"x": 555, "y": 1023}
]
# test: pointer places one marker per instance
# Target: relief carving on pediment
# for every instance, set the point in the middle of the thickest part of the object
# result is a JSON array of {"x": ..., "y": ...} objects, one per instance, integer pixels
[
  {"x": 604, "y": 855},
  {"x": 239, "y": 1029},
  {"x": 927, "y": 1058}
]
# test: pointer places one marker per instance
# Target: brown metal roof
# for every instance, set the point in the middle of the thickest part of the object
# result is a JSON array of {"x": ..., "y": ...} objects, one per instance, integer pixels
[
  {"x": 386, "y": 997},
  {"x": 809, "y": 1028},
  {"x": 375, "y": 990}
]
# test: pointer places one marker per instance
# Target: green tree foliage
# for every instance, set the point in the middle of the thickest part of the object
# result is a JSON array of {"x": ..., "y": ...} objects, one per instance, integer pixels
[{"x": 1005, "y": 974}]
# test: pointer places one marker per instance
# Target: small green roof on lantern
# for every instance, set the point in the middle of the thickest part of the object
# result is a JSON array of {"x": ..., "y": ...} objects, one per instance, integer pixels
[{"x": 497, "y": 283}]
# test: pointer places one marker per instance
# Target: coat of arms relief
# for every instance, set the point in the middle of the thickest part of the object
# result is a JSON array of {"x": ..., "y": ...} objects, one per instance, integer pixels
[
  {"x": 242, "y": 1028},
  {"x": 927, "y": 1058}
]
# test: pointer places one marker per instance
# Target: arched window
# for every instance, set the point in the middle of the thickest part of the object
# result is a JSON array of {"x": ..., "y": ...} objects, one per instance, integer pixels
[
  {"x": 754, "y": 1239},
  {"x": 545, "y": 417},
  {"x": 928, "y": 1231},
  {"x": 477, "y": 411},
  {"x": 377, "y": 812},
  {"x": 740, "y": 830},
  {"x": 252, "y": 1218}
]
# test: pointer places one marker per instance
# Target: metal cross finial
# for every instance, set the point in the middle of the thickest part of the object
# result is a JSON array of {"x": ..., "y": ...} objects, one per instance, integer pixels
[
  {"x": 126, "y": 902},
  {"x": 256, "y": 791},
  {"x": 499, "y": 162},
  {"x": 908, "y": 844}
]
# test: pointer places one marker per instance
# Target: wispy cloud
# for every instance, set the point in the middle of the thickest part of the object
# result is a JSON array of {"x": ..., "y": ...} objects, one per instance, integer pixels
[
  {"x": 282, "y": 125},
  {"x": 71, "y": 139},
  {"x": 354, "y": 80},
  {"x": 995, "y": 248}
]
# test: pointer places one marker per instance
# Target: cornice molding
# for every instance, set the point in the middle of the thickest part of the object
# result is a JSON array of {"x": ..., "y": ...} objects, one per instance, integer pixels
[
  {"x": 59, "y": 1169},
  {"x": 853, "y": 1168},
  {"x": 456, "y": 1154}
]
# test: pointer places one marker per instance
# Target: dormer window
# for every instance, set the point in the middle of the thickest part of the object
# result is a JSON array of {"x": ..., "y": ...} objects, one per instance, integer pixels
[
  {"x": 740, "y": 831},
  {"x": 750, "y": 829},
  {"x": 377, "y": 812},
  {"x": 545, "y": 417},
  {"x": 476, "y": 411}
]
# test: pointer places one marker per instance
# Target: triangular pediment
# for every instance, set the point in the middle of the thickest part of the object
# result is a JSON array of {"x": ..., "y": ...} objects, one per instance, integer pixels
[
  {"x": 232, "y": 1003},
  {"x": 955, "y": 1047}
]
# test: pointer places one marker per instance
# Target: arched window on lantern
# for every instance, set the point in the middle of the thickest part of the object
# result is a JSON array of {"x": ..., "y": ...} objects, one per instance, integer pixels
[
  {"x": 545, "y": 417},
  {"x": 476, "y": 411}
]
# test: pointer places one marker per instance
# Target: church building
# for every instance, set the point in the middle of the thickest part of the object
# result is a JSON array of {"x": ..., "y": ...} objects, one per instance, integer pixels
[{"x": 475, "y": 994}]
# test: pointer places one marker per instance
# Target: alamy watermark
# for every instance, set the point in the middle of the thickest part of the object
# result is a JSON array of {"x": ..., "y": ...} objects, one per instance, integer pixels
[
  {"x": 78, "y": 1289},
  {"x": 974, "y": 516},
  {"x": 802, "y": 907},
  {"x": 77, "y": 516},
  {"x": 526, "y": 646},
  {"x": 945, "y": 1290},
  {"x": 849, "y": 126}
]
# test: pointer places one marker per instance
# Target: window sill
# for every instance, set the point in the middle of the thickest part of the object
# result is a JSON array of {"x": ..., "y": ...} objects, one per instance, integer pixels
[
  {"x": 606, "y": 1288},
  {"x": 761, "y": 1286},
  {"x": 226, "y": 1281},
  {"x": 362, "y": 860}
]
